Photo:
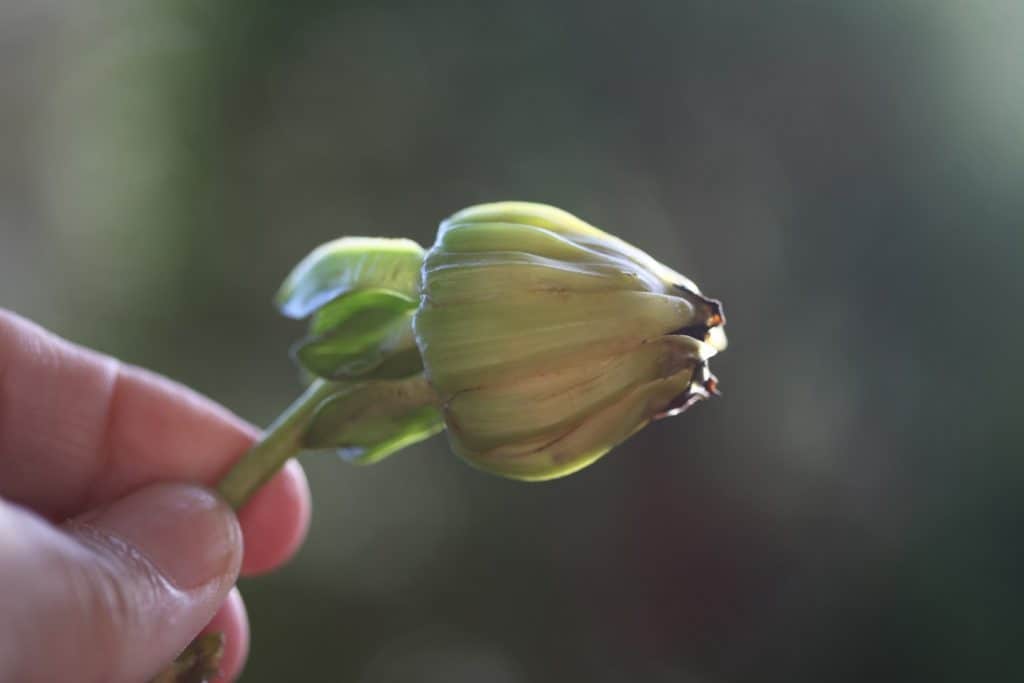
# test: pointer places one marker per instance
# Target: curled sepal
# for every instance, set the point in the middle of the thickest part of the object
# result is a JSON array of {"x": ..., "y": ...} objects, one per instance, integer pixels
[
  {"x": 350, "y": 264},
  {"x": 364, "y": 335},
  {"x": 367, "y": 422}
]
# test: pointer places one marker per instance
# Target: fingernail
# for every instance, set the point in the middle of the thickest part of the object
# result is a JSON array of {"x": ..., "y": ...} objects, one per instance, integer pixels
[{"x": 187, "y": 532}]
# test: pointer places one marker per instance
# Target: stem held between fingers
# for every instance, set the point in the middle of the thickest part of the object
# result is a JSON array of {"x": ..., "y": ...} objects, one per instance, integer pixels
[{"x": 281, "y": 441}]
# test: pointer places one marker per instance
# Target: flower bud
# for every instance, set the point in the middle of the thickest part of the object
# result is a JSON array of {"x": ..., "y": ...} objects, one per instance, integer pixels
[
  {"x": 549, "y": 341},
  {"x": 537, "y": 340}
]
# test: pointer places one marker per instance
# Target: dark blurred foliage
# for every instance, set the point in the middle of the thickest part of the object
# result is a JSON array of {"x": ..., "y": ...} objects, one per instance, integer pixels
[{"x": 846, "y": 177}]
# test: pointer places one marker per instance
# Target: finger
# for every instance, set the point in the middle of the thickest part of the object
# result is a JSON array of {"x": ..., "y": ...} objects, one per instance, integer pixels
[
  {"x": 78, "y": 429},
  {"x": 281, "y": 512},
  {"x": 232, "y": 621},
  {"x": 117, "y": 593}
]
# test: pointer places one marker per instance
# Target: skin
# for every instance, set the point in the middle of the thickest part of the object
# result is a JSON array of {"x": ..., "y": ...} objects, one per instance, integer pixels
[{"x": 113, "y": 555}]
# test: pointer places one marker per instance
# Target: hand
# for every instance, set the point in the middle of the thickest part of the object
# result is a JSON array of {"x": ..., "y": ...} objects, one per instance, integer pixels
[{"x": 106, "y": 570}]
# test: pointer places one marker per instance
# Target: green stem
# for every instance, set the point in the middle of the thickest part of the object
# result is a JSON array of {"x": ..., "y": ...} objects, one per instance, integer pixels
[{"x": 282, "y": 440}]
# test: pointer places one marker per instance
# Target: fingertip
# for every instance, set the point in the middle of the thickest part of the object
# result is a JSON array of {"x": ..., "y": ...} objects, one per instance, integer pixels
[
  {"x": 233, "y": 622},
  {"x": 276, "y": 519},
  {"x": 188, "y": 533},
  {"x": 117, "y": 592}
]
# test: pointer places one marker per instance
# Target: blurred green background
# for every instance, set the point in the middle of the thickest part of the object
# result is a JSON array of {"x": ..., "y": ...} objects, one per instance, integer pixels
[{"x": 846, "y": 177}]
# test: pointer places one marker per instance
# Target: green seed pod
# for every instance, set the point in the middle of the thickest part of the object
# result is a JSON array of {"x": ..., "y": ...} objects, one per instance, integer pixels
[
  {"x": 537, "y": 340},
  {"x": 549, "y": 341}
]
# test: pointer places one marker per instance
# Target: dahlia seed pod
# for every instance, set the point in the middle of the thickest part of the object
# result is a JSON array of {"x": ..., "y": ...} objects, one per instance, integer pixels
[
  {"x": 537, "y": 340},
  {"x": 549, "y": 341}
]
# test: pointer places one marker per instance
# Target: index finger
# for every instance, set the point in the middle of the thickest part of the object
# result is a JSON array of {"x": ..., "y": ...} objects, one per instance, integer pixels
[{"x": 78, "y": 428}]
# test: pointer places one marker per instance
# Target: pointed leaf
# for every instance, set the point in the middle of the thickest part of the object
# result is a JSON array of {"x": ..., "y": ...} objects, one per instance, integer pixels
[
  {"x": 367, "y": 422},
  {"x": 394, "y": 435}
]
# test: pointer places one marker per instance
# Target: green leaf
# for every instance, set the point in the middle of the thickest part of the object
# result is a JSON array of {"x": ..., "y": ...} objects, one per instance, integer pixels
[
  {"x": 367, "y": 422},
  {"x": 393, "y": 435},
  {"x": 359, "y": 332},
  {"x": 350, "y": 264},
  {"x": 360, "y": 310}
]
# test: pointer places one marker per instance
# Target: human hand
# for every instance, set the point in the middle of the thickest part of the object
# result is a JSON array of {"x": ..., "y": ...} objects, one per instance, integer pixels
[{"x": 106, "y": 570}]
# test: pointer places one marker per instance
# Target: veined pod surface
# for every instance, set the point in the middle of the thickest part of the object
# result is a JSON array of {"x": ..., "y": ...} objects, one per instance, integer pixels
[{"x": 549, "y": 341}]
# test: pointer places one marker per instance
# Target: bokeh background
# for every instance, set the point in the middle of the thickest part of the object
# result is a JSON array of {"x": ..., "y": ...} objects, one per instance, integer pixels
[{"x": 846, "y": 177}]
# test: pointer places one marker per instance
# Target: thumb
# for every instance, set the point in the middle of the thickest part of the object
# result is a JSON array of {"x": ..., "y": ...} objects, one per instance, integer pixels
[{"x": 116, "y": 594}]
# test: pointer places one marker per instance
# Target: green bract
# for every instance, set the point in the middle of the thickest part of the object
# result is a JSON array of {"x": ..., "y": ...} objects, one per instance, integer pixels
[
  {"x": 539, "y": 340},
  {"x": 360, "y": 294},
  {"x": 350, "y": 264}
]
